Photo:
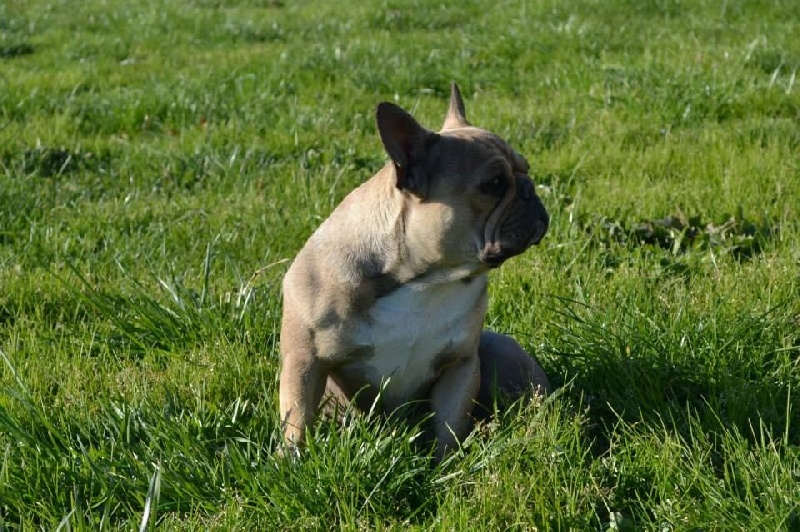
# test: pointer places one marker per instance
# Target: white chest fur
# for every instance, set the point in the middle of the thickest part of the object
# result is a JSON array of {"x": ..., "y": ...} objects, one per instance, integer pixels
[{"x": 416, "y": 326}]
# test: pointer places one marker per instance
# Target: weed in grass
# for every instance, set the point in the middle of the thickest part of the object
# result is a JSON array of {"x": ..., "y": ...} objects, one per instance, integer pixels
[{"x": 10, "y": 50}]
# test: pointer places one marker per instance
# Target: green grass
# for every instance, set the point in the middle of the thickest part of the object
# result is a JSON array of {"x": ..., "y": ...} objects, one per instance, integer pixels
[{"x": 160, "y": 163}]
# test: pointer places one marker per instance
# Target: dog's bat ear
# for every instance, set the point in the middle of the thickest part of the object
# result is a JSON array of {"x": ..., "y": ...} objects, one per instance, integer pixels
[
  {"x": 407, "y": 144},
  {"x": 456, "y": 115}
]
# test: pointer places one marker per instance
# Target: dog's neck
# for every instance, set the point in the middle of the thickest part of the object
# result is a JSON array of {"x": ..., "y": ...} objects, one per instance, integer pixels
[
  {"x": 381, "y": 253},
  {"x": 426, "y": 264}
]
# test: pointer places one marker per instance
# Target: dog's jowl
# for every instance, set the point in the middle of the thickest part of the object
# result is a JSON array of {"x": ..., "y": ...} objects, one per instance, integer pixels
[{"x": 389, "y": 294}]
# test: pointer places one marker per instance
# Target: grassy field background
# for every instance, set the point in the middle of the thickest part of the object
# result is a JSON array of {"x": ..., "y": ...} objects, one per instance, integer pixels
[{"x": 161, "y": 161}]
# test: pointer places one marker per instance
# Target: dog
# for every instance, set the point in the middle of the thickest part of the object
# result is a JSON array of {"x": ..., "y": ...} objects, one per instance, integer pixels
[{"x": 387, "y": 298}]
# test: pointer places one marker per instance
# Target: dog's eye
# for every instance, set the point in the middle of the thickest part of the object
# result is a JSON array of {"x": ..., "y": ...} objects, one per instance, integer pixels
[{"x": 495, "y": 186}]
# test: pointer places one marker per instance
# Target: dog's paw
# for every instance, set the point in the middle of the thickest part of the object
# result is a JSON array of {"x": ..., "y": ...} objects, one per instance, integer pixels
[{"x": 288, "y": 451}]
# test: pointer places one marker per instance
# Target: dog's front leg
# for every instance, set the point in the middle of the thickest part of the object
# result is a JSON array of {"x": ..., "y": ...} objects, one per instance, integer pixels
[
  {"x": 302, "y": 383},
  {"x": 452, "y": 400}
]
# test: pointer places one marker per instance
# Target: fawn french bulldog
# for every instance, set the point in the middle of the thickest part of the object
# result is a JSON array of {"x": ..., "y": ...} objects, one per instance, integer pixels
[{"x": 389, "y": 294}]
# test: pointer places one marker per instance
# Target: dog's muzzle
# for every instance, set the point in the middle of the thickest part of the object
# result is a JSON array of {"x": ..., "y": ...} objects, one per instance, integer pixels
[{"x": 524, "y": 226}]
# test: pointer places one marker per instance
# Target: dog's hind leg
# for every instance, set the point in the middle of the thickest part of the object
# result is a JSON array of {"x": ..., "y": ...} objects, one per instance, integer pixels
[{"x": 507, "y": 373}]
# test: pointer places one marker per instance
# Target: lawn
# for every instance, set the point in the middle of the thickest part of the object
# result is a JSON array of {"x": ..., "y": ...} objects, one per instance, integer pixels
[{"x": 162, "y": 161}]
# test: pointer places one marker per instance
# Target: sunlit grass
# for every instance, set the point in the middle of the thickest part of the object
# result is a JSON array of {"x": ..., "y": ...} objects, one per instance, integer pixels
[{"x": 161, "y": 162}]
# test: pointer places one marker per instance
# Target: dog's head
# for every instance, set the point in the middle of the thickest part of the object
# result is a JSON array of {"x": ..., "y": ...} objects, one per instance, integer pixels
[{"x": 470, "y": 199}]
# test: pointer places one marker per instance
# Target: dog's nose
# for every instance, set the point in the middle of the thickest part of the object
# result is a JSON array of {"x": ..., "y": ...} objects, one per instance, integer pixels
[{"x": 525, "y": 188}]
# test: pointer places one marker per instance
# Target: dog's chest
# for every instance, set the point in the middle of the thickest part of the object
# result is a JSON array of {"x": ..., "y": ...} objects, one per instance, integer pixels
[{"x": 413, "y": 330}]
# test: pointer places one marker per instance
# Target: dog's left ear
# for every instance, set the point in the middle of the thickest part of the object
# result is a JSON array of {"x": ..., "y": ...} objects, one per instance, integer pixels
[
  {"x": 456, "y": 115},
  {"x": 407, "y": 144}
]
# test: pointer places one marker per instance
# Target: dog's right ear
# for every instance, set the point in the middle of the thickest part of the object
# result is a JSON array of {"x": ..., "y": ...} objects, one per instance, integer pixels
[{"x": 407, "y": 144}]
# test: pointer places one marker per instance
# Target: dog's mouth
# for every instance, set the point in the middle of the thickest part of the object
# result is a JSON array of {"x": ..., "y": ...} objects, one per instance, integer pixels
[
  {"x": 496, "y": 253},
  {"x": 493, "y": 255},
  {"x": 493, "y": 261},
  {"x": 539, "y": 230}
]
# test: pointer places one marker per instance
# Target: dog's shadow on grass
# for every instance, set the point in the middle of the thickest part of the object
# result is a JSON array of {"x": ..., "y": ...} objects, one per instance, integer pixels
[{"x": 740, "y": 379}]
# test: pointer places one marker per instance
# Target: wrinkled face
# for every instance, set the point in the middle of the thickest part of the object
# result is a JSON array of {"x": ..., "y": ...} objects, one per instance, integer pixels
[{"x": 493, "y": 210}]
